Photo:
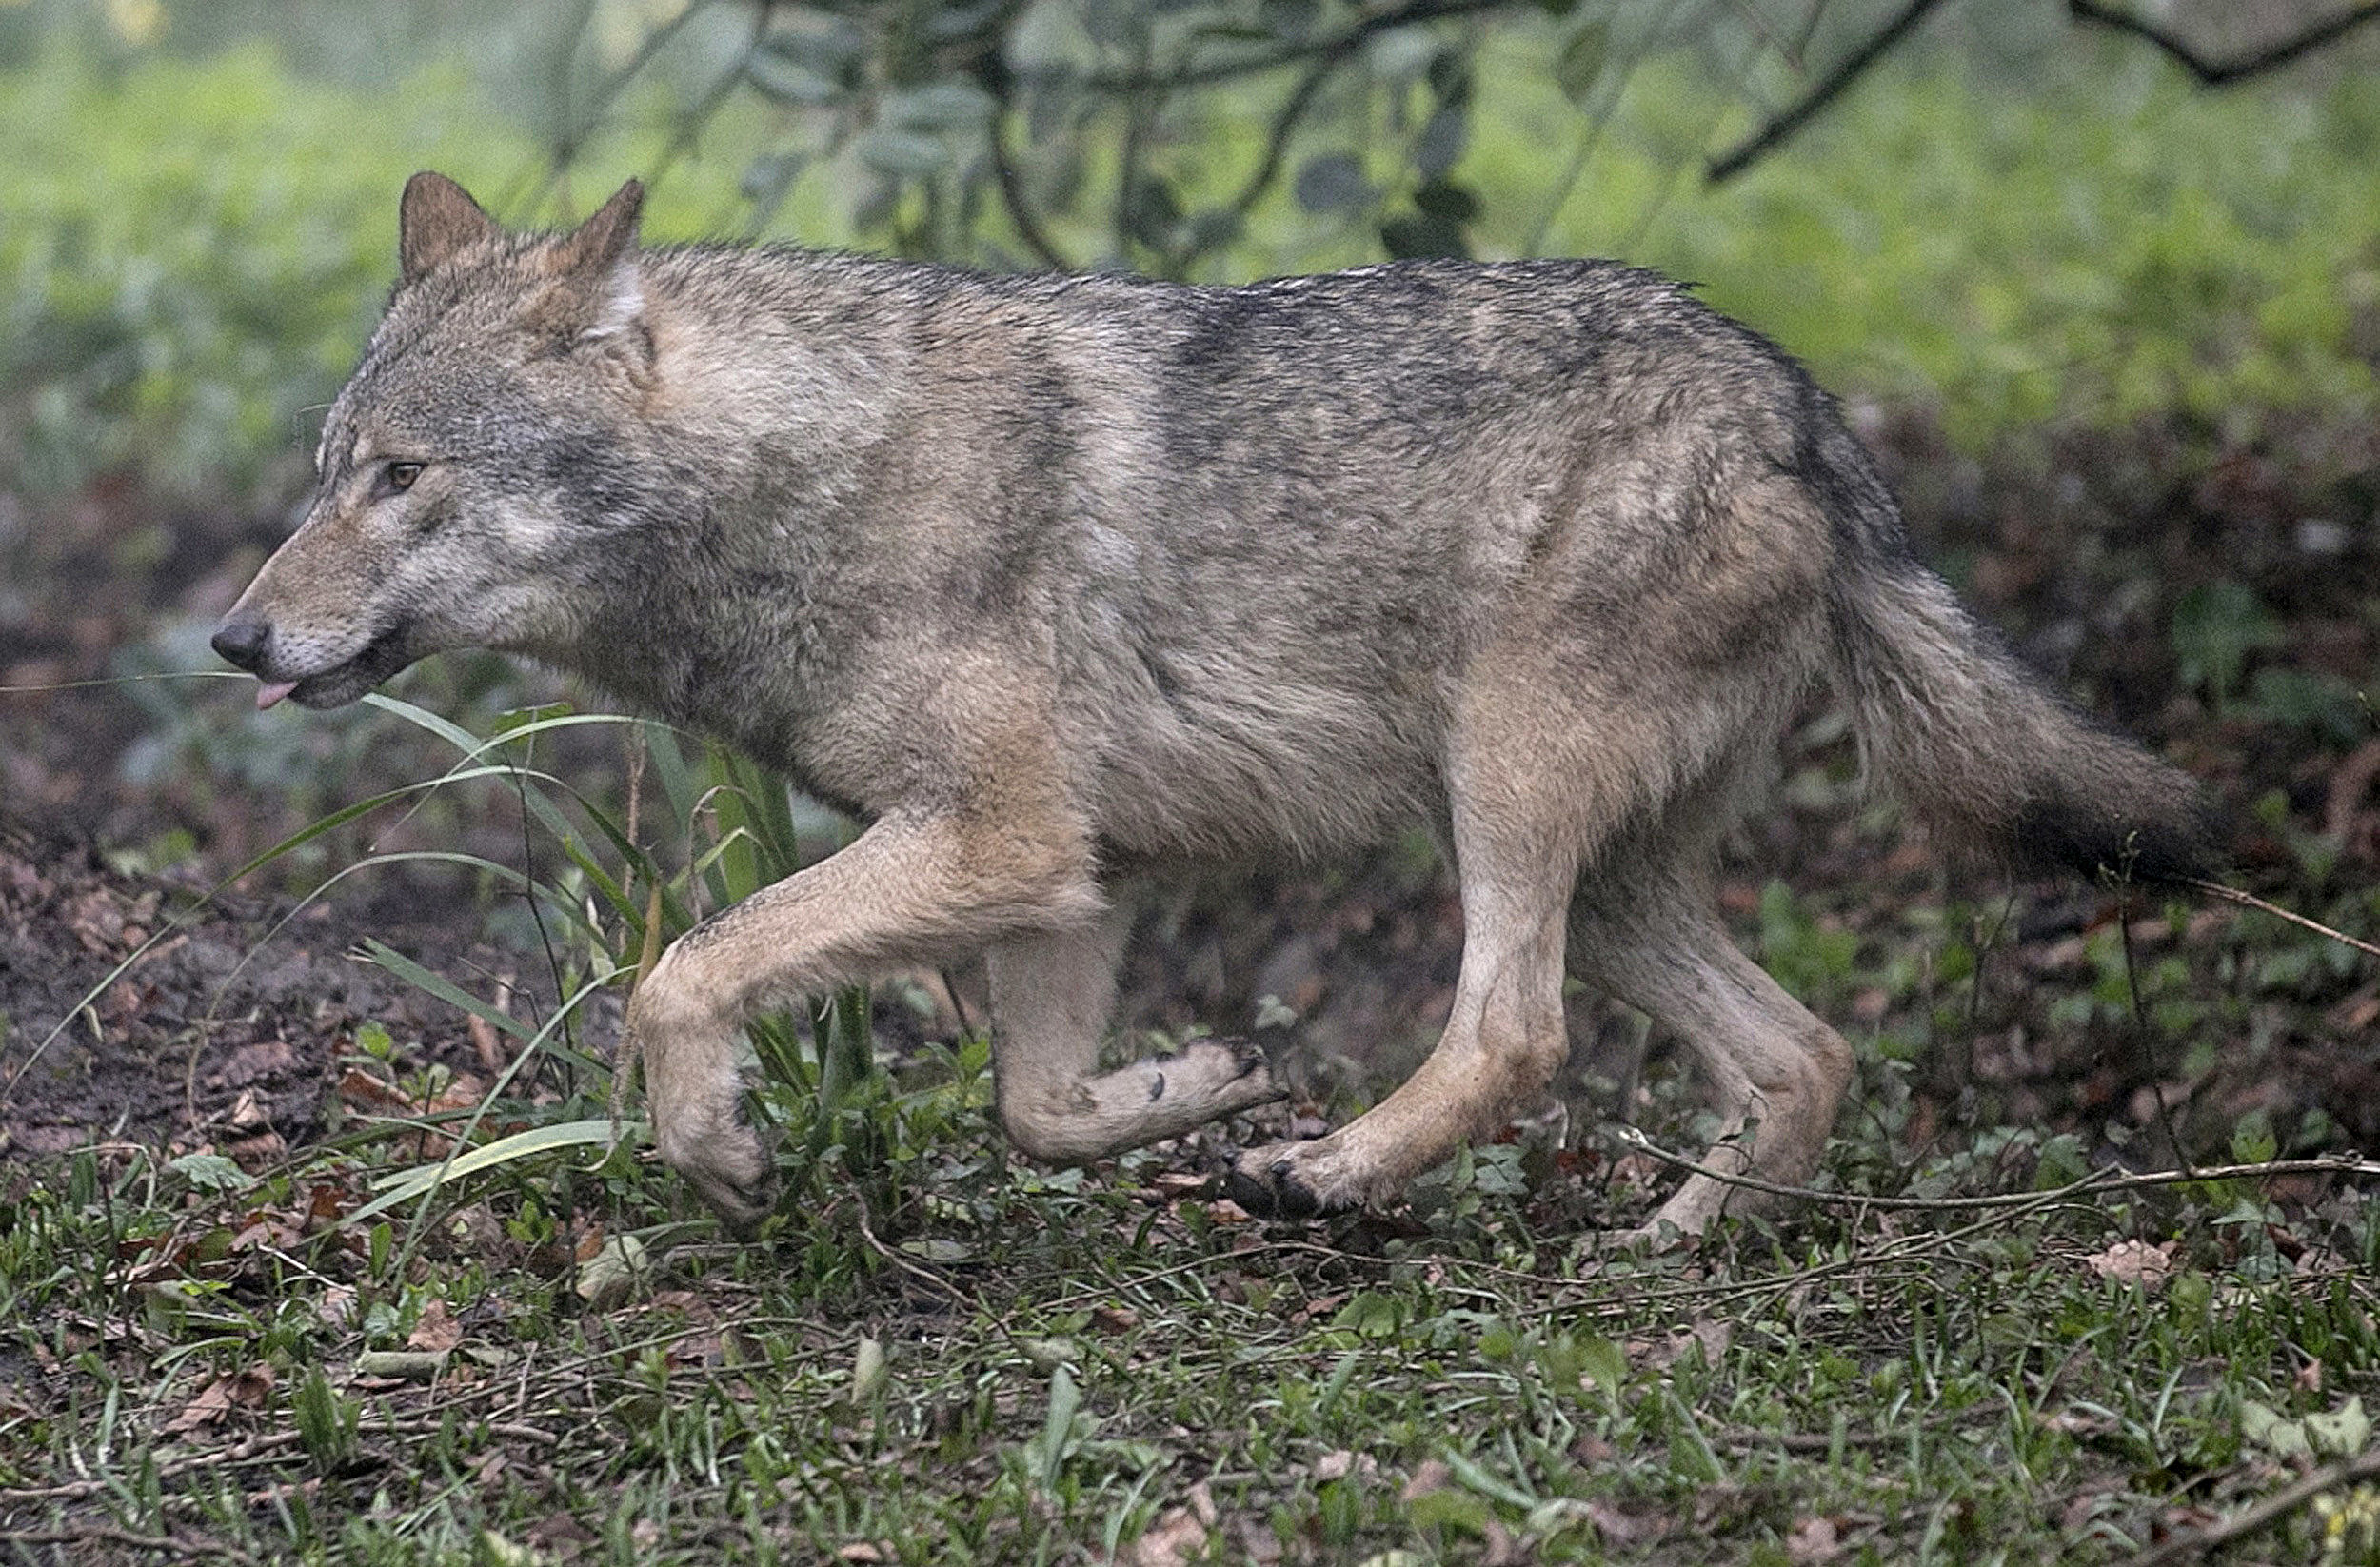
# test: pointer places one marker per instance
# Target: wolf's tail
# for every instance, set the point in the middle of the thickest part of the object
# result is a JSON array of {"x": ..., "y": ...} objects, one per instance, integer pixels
[{"x": 1987, "y": 755}]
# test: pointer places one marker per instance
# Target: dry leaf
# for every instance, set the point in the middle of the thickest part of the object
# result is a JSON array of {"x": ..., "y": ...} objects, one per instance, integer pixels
[
  {"x": 1498, "y": 1547},
  {"x": 1202, "y": 1504},
  {"x": 1622, "y": 1528},
  {"x": 1813, "y": 1540},
  {"x": 1257, "y": 1542},
  {"x": 2135, "y": 1263},
  {"x": 435, "y": 1330},
  {"x": 1428, "y": 1475},
  {"x": 1176, "y": 1539},
  {"x": 247, "y": 1389}
]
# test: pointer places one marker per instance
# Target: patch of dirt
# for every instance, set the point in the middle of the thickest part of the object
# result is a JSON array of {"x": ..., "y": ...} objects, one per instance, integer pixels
[{"x": 130, "y": 1008}]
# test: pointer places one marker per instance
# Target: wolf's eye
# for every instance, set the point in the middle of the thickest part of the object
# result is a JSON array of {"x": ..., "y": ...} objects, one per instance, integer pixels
[{"x": 398, "y": 477}]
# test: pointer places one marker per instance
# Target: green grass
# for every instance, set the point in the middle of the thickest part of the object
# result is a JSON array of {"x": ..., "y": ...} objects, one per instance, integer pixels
[
  {"x": 479, "y": 1332},
  {"x": 1009, "y": 1365}
]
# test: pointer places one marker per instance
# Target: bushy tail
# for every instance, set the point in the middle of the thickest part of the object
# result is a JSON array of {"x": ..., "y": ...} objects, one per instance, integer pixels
[{"x": 1988, "y": 755}]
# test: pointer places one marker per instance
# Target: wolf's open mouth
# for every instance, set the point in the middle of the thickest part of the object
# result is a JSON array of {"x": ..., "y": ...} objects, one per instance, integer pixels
[{"x": 342, "y": 683}]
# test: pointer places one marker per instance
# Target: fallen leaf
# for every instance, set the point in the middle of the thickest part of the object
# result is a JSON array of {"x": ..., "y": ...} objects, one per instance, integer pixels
[
  {"x": 1176, "y": 1539},
  {"x": 1257, "y": 1542},
  {"x": 1202, "y": 1504},
  {"x": 560, "y": 1537},
  {"x": 1813, "y": 1540},
  {"x": 613, "y": 1276},
  {"x": 1428, "y": 1475},
  {"x": 247, "y": 1113},
  {"x": 1623, "y": 1528},
  {"x": 247, "y": 1389},
  {"x": 2135, "y": 1263},
  {"x": 435, "y": 1330}
]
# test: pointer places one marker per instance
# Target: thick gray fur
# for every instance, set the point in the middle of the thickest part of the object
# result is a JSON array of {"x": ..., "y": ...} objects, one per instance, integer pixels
[{"x": 1061, "y": 581}]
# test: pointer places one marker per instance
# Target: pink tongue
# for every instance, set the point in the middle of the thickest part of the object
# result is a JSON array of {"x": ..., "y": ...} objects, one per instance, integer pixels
[{"x": 271, "y": 691}]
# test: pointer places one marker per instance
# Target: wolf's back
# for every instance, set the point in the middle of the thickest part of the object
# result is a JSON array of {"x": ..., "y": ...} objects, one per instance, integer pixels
[{"x": 1990, "y": 757}]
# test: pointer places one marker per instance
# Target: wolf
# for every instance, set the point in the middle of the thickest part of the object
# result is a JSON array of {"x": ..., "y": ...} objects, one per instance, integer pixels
[{"x": 1064, "y": 583}]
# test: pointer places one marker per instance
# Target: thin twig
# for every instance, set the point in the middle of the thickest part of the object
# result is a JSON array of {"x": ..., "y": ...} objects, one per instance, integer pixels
[
  {"x": 2249, "y": 899},
  {"x": 1780, "y": 129},
  {"x": 2197, "y": 1542},
  {"x": 2141, "y": 1030},
  {"x": 1339, "y": 44},
  {"x": 916, "y": 1270},
  {"x": 2225, "y": 72},
  {"x": 993, "y": 77},
  {"x": 86, "y": 1534},
  {"x": 2099, "y": 1181}
]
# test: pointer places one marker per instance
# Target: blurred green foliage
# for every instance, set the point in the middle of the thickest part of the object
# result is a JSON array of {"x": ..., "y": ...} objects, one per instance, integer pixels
[
  {"x": 193, "y": 252},
  {"x": 193, "y": 248},
  {"x": 190, "y": 254},
  {"x": 2107, "y": 248}
]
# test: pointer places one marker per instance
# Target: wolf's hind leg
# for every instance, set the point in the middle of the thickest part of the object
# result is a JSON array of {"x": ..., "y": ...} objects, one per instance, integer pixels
[
  {"x": 1051, "y": 996},
  {"x": 1776, "y": 1074},
  {"x": 1517, "y": 855}
]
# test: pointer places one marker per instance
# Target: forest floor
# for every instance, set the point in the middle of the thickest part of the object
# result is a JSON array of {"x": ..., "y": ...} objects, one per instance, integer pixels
[{"x": 938, "y": 1354}]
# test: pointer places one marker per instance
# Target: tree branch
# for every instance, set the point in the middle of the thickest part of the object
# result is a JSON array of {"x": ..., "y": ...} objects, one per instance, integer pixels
[
  {"x": 1284, "y": 125},
  {"x": 1268, "y": 168},
  {"x": 1782, "y": 128},
  {"x": 2225, "y": 72},
  {"x": 993, "y": 77},
  {"x": 2194, "y": 1543},
  {"x": 1335, "y": 46}
]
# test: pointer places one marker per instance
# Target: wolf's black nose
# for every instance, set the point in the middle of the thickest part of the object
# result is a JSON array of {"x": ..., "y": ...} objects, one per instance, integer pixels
[{"x": 242, "y": 643}]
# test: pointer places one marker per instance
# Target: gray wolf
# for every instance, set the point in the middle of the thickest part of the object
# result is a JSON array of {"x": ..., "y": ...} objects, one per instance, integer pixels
[{"x": 1061, "y": 582}]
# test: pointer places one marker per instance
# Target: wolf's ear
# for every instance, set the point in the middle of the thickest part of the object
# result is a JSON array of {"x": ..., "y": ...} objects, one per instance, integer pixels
[
  {"x": 605, "y": 239},
  {"x": 599, "y": 298},
  {"x": 436, "y": 219}
]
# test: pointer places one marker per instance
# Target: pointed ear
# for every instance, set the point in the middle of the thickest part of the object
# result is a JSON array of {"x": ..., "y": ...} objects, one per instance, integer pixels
[
  {"x": 598, "y": 299},
  {"x": 605, "y": 239},
  {"x": 436, "y": 219}
]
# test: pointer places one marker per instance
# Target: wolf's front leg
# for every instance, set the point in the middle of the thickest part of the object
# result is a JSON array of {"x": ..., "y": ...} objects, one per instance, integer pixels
[
  {"x": 1051, "y": 996},
  {"x": 911, "y": 890}
]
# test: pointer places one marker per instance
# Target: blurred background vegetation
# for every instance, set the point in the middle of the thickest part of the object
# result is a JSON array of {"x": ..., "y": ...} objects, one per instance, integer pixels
[{"x": 2101, "y": 286}]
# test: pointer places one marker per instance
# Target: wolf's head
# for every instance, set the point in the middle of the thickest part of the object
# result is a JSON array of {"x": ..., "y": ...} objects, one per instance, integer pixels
[{"x": 474, "y": 466}]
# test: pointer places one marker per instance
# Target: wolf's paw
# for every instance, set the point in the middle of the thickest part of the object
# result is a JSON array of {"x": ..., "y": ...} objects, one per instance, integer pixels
[
  {"x": 1297, "y": 1180},
  {"x": 725, "y": 1162},
  {"x": 1227, "y": 1075}
]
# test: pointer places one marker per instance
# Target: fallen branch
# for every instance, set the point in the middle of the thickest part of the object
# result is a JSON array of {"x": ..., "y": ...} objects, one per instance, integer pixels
[
  {"x": 2249, "y": 899},
  {"x": 2098, "y": 1181},
  {"x": 2197, "y": 1542},
  {"x": 109, "y": 1534}
]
